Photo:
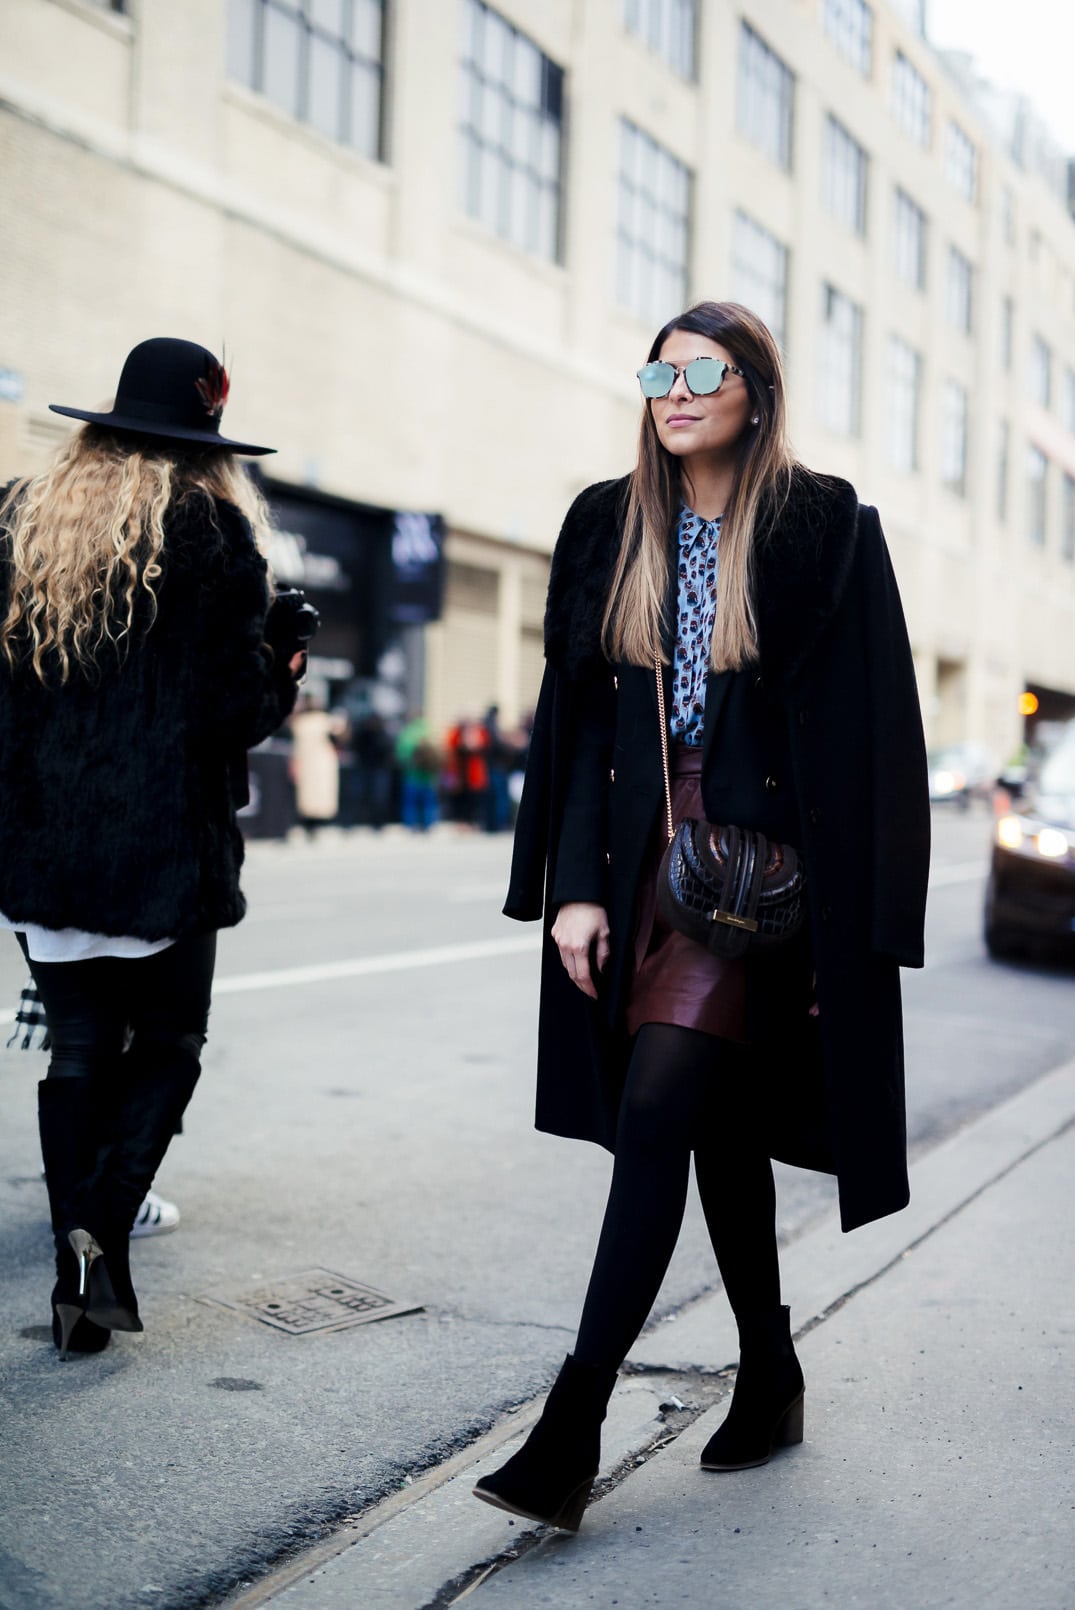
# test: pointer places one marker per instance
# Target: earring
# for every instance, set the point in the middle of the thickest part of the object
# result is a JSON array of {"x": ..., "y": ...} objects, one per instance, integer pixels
[{"x": 756, "y": 420}]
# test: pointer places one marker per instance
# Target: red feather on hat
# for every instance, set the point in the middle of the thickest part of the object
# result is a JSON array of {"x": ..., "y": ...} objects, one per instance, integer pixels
[{"x": 213, "y": 389}]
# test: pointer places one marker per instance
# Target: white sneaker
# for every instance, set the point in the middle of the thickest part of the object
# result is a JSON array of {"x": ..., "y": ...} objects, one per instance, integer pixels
[{"x": 155, "y": 1216}]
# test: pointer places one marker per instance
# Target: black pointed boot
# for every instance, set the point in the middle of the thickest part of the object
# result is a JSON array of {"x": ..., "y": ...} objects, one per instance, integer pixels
[
  {"x": 67, "y": 1119},
  {"x": 767, "y": 1405},
  {"x": 551, "y": 1476},
  {"x": 158, "y": 1081}
]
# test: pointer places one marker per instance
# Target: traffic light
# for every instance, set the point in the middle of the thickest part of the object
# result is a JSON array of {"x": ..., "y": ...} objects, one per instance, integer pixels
[{"x": 1028, "y": 703}]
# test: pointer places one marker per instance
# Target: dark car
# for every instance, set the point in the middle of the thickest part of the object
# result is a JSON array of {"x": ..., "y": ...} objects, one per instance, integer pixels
[{"x": 1030, "y": 896}]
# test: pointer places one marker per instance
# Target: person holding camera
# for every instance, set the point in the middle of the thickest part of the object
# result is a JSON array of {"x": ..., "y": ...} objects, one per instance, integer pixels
[{"x": 141, "y": 655}]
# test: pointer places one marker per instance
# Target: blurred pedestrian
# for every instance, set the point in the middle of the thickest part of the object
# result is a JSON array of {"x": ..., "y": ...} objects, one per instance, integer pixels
[
  {"x": 419, "y": 761},
  {"x": 374, "y": 755},
  {"x": 466, "y": 771},
  {"x": 753, "y": 601},
  {"x": 315, "y": 762},
  {"x": 134, "y": 674},
  {"x": 501, "y": 758}
]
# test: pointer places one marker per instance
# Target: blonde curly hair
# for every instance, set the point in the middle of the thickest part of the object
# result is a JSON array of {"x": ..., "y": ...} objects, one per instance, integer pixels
[{"x": 85, "y": 537}]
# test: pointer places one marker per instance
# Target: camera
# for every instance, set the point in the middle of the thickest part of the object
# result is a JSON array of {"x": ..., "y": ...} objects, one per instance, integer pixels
[{"x": 293, "y": 620}]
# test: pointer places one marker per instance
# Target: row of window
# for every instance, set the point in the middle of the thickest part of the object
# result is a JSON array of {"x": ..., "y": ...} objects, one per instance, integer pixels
[
  {"x": 767, "y": 95},
  {"x": 903, "y": 401},
  {"x": 323, "y": 61}
]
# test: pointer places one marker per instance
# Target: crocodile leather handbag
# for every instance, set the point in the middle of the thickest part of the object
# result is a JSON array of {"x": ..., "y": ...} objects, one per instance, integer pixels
[{"x": 729, "y": 888}]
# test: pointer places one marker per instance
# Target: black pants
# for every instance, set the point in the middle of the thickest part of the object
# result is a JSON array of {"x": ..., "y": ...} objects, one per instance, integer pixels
[{"x": 162, "y": 999}]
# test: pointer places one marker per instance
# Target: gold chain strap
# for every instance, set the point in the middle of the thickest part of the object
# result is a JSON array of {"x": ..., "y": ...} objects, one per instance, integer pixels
[{"x": 664, "y": 747}]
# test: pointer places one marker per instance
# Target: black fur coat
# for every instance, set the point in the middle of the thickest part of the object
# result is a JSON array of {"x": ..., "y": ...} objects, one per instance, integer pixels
[
  {"x": 118, "y": 789},
  {"x": 819, "y": 744}
]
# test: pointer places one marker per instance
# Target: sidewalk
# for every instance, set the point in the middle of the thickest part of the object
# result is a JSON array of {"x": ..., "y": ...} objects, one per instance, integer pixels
[{"x": 940, "y": 1422}]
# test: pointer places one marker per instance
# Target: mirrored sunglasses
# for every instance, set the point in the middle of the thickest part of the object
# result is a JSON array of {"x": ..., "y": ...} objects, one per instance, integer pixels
[{"x": 704, "y": 376}]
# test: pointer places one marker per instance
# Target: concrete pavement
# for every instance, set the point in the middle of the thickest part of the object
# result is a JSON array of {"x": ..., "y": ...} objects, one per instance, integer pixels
[{"x": 940, "y": 1422}]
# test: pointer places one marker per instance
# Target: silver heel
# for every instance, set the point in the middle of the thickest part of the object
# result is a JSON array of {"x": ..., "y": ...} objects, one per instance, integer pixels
[
  {"x": 87, "y": 1251},
  {"x": 68, "y": 1315}
]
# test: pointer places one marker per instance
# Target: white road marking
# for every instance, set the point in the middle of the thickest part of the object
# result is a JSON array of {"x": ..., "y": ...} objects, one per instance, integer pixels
[
  {"x": 958, "y": 872},
  {"x": 402, "y": 961},
  {"x": 464, "y": 893},
  {"x": 399, "y": 961}
]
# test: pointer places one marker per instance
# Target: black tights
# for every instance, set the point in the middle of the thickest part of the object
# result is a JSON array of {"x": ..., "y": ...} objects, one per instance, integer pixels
[{"x": 681, "y": 1085}]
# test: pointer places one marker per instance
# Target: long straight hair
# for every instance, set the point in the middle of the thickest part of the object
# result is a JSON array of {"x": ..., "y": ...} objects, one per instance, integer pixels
[
  {"x": 633, "y": 628},
  {"x": 84, "y": 541}
]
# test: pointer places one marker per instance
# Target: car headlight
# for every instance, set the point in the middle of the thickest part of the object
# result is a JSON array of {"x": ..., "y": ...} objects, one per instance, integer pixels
[
  {"x": 1019, "y": 833},
  {"x": 1010, "y": 833}
]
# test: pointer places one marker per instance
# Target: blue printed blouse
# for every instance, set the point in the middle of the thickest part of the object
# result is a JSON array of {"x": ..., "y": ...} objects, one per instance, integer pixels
[{"x": 697, "y": 608}]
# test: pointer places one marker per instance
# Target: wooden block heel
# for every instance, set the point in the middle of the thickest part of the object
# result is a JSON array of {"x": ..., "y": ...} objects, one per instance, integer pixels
[{"x": 789, "y": 1431}]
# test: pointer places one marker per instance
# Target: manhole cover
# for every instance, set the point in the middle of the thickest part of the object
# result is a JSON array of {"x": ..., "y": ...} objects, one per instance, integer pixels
[{"x": 315, "y": 1301}]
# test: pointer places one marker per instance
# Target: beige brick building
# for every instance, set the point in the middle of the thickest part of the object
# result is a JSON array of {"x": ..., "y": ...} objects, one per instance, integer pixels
[{"x": 437, "y": 236}]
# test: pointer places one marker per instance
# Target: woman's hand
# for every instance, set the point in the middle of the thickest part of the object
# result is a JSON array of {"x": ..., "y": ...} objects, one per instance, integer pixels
[{"x": 580, "y": 930}]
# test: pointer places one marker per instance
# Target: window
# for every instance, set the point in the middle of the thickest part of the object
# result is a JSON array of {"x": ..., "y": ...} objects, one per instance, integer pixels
[
  {"x": 960, "y": 289},
  {"x": 511, "y": 131},
  {"x": 843, "y": 181},
  {"x": 1037, "y": 475},
  {"x": 1004, "y": 453},
  {"x": 909, "y": 240},
  {"x": 913, "y": 13},
  {"x": 849, "y": 24},
  {"x": 760, "y": 274},
  {"x": 1007, "y": 215},
  {"x": 653, "y": 230},
  {"x": 1067, "y": 407},
  {"x": 1041, "y": 372},
  {"x": 904, "y": 385},
  {"x": 841, "y": 362},
  {"x": 961, "y": 162},
  {"x": 912, "y": 99},
  {"x": 1007, "y": 332},
  {"x": 954, "y": 437},
  {"x": 766, "y": 95},
  {"x": 668, "y": 27},
  {"x": 321, "y": 61},
  {"x": 1067, "y": 520}
]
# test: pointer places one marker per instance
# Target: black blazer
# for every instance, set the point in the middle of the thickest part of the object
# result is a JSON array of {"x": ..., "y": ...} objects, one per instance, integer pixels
[
  {"x": 119, "y": 787},
  {"x": 819, "y": 744}
]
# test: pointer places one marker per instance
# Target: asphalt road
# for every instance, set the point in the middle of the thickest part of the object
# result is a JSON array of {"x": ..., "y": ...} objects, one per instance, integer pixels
[{"x": 366, "y": 1110}]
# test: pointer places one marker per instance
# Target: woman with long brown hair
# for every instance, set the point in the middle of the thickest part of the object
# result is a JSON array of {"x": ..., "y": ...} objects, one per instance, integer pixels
[
  {"x": 139, "y": 659},
  {"x": 725, "y": 648}
]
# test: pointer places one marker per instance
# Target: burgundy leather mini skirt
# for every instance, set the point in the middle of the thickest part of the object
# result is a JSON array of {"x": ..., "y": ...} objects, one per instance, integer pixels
[{"x": 676, "y": 980}]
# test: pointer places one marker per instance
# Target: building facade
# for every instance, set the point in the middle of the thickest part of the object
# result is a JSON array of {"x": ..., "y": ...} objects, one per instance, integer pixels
[{"x": 437, "y": 237}]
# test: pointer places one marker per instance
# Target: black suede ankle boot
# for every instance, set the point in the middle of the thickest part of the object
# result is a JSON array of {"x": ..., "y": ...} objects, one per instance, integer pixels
[
  {"x": 551, "y": 1476},
  {"x": 767, "y": 1405}
]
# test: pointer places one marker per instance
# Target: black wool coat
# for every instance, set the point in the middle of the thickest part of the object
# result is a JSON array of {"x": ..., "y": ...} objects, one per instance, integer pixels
[
  {"x": 118, "y": 789},
  {"x": 819, "y": 744}
]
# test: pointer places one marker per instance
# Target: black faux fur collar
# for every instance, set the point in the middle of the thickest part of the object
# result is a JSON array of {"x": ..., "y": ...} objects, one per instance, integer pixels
[{"x": 802, "y": 569}]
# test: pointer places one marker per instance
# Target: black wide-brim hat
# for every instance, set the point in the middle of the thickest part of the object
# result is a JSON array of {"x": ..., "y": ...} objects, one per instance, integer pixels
[{"x": 174, "y": 390}]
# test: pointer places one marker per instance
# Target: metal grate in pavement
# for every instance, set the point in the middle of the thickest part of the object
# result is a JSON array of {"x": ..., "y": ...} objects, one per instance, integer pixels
[{"x": 316, "y": 1300}]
